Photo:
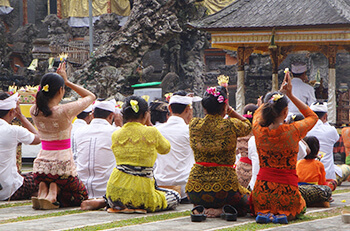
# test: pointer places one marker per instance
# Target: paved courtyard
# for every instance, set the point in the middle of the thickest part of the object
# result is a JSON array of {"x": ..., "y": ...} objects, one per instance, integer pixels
[{"x": 23, "y": 217}]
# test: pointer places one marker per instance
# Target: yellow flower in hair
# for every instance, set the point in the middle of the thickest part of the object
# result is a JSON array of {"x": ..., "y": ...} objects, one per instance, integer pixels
[
  {"x": 46, "y": 88},
  {"x": 293, "y": 117},
  {"x": 286, "y": 70},
  {"x": 134, "y": 105},
  {"x": 145, "y": 97},
  {"x": 249, "y": 113},
  {"x": 276, "y": 97}
]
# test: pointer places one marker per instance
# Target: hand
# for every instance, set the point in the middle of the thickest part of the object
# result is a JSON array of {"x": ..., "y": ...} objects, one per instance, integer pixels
[
  {"x": 286, "y": 87},
  {"x": 260, "y": 102},
  {"x": 61, "y": 70},
  {"x": 17, "y": 110}
]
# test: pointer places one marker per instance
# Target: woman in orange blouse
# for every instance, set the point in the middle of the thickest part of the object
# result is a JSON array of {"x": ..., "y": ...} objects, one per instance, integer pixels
[
  {"x": 312, "y": 176},
  {"x": 276, "y": 196}
]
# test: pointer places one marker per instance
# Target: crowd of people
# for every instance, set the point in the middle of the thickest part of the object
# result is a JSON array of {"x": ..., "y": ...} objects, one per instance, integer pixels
[{"x": 272, "y": 162}]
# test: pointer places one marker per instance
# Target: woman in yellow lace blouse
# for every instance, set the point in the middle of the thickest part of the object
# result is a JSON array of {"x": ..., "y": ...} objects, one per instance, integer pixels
[
  {"x": 213, "y": 180},
  {"x": 131, "y": 186}
]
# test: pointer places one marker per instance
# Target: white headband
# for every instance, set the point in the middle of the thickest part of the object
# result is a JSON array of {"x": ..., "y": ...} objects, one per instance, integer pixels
[
  {"x": 186, "y": 100},
  {"x": 105, "y": 105},
  {"x": 9, "y": 103},
  {"x": 88, "y": 109},
  {"x": 318, "y": 107}
]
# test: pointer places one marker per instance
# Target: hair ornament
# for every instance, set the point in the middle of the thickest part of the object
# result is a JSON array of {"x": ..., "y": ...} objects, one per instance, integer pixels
[
  {"x": 46, "y": 88},
  {"x": 145, "y": 97},
  {"x": 119, "y": 104},
  {"x": 223, "y": 80},
  {"x": 248, "y": 116},
  {"x": 293, "y": 116},
  {"x": 134, "y": 105},
  {"x": 275, "y": 98},
  {"x": 213, "y": 91},
  {"x": 221, "y": 99},
  {"x": 168, "y": 96}
]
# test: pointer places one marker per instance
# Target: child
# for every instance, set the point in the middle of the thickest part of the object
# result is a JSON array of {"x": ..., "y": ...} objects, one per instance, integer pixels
[{"x": 312, "y": 176}]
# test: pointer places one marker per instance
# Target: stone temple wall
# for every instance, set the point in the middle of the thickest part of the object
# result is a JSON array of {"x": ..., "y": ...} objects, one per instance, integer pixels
[{"x": 37, "y": 11}]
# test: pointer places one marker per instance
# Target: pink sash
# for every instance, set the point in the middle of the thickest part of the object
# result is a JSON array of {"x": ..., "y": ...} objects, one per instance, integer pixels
[{"x": 55, "y": 144}]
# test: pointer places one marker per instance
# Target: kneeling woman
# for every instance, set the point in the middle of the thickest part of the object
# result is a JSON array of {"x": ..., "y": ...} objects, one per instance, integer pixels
[
  {"x": 131, "y": 186},
  {"x": 213, "y": 180},
  {"x": 54, "y": 168},
  {"x": 276, "y": 196}
]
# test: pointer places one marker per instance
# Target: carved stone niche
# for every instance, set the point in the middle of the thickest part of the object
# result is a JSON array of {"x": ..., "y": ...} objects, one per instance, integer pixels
[{"x": 41, "y": 49}]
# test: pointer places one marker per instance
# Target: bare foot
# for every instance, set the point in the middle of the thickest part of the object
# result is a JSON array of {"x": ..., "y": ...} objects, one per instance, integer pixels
[
  {"x": 53, "y": 192},
  {"x": 211, "y": 212},
  {"x": 196, "y": 212},
  {"x": 93, "y": 204},
  {"x": 43, "y": 190}
]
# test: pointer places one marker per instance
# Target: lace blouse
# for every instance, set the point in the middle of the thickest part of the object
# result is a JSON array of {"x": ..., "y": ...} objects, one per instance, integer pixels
[{"x": 57, "y": 127}]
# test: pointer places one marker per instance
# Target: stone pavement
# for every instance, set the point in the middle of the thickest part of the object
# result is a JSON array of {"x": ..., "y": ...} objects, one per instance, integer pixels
[{"x": 88, "y": 218}]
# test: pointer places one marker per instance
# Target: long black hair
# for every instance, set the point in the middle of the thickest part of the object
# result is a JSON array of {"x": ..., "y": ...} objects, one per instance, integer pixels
[
  {"x": 211, "y": 103},
  {"x": 274, "y": 103},
  {"x": 50, "y": 84}
]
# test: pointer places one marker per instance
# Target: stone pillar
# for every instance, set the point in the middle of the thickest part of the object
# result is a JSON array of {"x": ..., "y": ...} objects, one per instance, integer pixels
[
  {"x": 59, "y": 9},
  {"x": 274, "y": 59},
  {"x": 109, "y": 7},
  {"x": 332, "y": 103},
  {"x": 25, "y": 12},
  {"x": 243, "y": 54}
]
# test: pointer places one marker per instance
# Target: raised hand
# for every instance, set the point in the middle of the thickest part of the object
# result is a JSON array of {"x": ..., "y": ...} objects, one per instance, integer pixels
[
  {"x": 61, "y": 70},
  {"x": 286, "y": 87}
]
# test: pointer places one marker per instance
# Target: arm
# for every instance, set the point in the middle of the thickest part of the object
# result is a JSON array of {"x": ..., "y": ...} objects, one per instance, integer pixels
[
  {"x": 78, "y": 89},
  {"x": 322, "y": 179},
  {"x": 286, "y": 88},
  {"x": 163, "y": 145},
  {"x": 233, "y": 114},
  {"x": 311, "y": 118},
  {"x": 241, "y": 125},
  {"x": 74, "y": 108},
  {"x": 28, "y": 125}
]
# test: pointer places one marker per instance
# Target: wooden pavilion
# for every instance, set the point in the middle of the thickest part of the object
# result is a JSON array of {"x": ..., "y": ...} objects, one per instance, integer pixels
[{"x": 281, "y": 27}]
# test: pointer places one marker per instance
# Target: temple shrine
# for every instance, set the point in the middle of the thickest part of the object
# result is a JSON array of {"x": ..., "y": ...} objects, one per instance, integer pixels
[{"x": 279, "y": 28}]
